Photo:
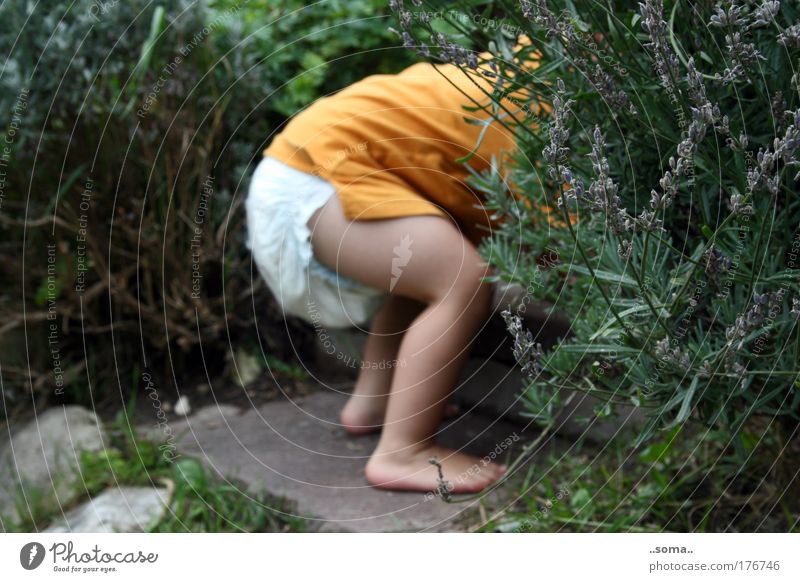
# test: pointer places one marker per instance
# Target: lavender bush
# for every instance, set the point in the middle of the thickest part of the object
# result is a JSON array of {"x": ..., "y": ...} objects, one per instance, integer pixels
[{"x": 658, "y": 155}]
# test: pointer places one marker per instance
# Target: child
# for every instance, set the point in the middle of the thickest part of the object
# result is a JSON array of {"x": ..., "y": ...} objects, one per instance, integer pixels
[{"x": 359, "y": 209}]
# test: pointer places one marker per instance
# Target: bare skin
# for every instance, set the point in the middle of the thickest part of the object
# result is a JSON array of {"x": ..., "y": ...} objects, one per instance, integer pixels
[
  {"x": 449, "y": 303},
  {"x": 365, "y": 410}
]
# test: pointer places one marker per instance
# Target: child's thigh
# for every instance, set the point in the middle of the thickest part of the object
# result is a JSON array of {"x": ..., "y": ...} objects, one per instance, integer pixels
[{"x": 422, "y": 257}]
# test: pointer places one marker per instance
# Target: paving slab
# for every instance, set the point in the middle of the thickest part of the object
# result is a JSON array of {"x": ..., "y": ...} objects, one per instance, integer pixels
[
  {"x": 296, "y": 450},
  {"x": 42, "y": 458},
  {"x": 120, "y": 509}
]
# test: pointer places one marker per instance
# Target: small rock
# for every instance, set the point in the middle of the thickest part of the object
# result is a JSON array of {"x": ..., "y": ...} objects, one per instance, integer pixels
[
  {"x": 124, "y": 509},
  {"x": 248, "y": 368},
  {"x": 183, "y": 407},
  {"x": 43, "y": 458}
]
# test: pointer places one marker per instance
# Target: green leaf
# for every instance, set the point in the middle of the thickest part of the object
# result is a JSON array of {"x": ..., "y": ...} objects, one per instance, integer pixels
[
  {"x": 606, "y": 276},
  {"x": 190, "y": 472},
  {"x": 580, "y": 498},
  {"x": 686, "y": 403},
  {"x": 597, "y": 349},
  {"x": 623, "y": 314},
  {"x": 485, "y": 123}
]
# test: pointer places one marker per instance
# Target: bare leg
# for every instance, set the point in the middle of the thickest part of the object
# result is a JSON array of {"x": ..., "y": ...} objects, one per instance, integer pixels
[
  {"x": 443, "y": 271},
  {"x": 365, "y": 410}
]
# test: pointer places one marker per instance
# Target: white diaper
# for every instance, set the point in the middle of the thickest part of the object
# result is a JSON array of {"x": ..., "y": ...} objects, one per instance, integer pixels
[{"x": 279, "y": 204}]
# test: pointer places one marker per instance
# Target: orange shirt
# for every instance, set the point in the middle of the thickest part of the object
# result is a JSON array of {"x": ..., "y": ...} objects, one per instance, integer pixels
[{"x": 389, "y": 144}]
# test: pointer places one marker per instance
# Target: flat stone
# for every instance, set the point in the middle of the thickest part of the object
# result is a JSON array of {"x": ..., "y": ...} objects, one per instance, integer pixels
[
  {"x": 496, "y": 389},
  {"x": 43, "y": 458},
  {"x": 123, "y": 509},
  {"x": 339, "y": 351},
  {"x": 491, "y": 388},
  {"x": 297, "y": 451}
]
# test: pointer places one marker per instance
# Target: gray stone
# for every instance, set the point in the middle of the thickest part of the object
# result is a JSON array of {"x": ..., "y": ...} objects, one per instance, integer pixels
[
  {"x": 247, "y": 367},
  {"x": 41, "y": 460},
  {"x": 183, "y": 407},
  {"x": 490, "y": 388},
  {"x": 495, "y": 389},
  {"x": 339, "y": 350},
  {"x": 297, "y": 451},
  {"x": 123, "y": 509}
]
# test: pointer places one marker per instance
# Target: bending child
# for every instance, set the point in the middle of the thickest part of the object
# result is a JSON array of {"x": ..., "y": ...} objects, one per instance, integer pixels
[{"x": 358, "y": 211}]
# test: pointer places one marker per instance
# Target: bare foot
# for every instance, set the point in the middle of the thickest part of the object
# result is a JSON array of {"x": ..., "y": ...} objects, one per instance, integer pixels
[
  {"x": 364, "y": 414},
  {"x": 411, "y": 470}
]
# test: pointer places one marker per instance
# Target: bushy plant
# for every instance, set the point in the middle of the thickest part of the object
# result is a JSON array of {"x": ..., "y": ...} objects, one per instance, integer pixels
[
  {"x": 655, "y": 203},
  {"x": 132, "y": 129},
  {"x": 663, "y": 144}
]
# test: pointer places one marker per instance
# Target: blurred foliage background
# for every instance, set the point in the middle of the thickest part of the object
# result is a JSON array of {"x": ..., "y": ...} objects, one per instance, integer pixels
[{"x": 133, "y": 128}]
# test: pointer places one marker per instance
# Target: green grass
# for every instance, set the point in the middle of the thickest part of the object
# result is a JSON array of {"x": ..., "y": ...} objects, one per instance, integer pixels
[
  {"x": 35, "y": 507},
  {"x": 201, "y": 501},
  {"x": 288, "y": 369},
  {"x": 671, "y": 485}
]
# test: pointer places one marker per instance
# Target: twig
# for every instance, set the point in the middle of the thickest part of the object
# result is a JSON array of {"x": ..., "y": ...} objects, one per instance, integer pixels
[{"x": 442, "y": 486}]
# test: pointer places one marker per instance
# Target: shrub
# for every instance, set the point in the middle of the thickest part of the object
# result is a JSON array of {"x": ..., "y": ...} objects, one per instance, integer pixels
[
  {"x": 670, "y": 158},
  {"x": 132, "y": 130},
  {"x": 657, "y": 173}
]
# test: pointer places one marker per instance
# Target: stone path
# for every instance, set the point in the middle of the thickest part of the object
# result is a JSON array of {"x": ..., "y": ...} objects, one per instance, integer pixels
[
  {"x": 121, "y": 509},
  {"x": 294, "y": 449}
]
